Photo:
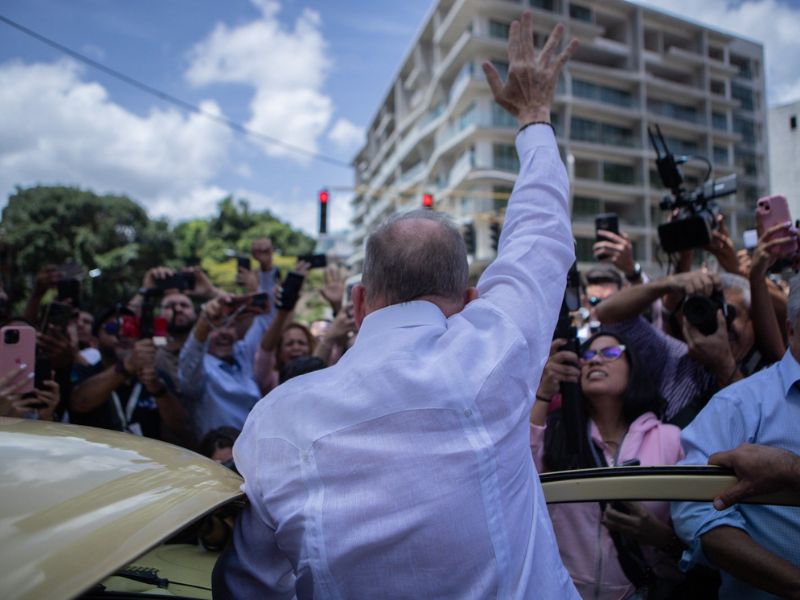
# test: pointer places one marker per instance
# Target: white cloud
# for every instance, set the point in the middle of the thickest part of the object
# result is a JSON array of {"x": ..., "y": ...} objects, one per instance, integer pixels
[
  {"x": 770, "y": 22},
  {"x": 286, "y": 69},
  {"x": 347, "y": 135},
  {"x": 59, "y": 129}
]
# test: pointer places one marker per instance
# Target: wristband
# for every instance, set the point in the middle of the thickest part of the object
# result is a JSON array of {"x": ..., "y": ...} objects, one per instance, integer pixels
[
  {"x": 543, "y": 399},
  {"x": 524, "y": 127}
]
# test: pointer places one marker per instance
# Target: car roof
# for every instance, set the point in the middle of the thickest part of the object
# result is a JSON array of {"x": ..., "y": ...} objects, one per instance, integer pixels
[{"x": 78, "y": 503}]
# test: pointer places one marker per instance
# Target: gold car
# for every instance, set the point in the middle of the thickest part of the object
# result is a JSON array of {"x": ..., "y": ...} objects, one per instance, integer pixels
[{"x": 85, "y": 511}]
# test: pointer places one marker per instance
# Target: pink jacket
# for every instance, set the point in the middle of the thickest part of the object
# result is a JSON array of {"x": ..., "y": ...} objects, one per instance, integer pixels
[{"x": 585, "y": 544}]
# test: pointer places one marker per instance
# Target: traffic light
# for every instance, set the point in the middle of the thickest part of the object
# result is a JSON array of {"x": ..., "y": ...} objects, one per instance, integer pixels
[
  {"x": 495, "y": 229},
  {"x": 427, "y": 201},
  {"x": 469, "y": 238},
  {"x": 323, "y": 211}
]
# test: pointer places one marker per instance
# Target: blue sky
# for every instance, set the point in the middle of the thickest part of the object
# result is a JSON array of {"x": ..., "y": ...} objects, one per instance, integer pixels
[{"x": 312, "y": 73}]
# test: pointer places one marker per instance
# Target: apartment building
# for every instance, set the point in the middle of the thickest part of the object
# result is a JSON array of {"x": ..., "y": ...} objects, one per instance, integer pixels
[
  {"x": 439, "y": 132},
  {"x": 784, "y": 147}
]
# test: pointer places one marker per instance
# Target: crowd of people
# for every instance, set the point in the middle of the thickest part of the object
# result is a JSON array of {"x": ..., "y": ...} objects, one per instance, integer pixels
[
  {"x": 182, "y": 359},
  {"x": 412, "y": 439}
]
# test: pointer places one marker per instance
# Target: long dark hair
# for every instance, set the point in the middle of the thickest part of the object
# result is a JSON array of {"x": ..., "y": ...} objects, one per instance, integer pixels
[{"x": 640, "y": 396}]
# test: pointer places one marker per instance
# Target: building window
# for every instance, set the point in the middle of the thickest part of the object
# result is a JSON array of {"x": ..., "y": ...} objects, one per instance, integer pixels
[
  {"x": 674, "y": 111},
  {"x": 584, "y": 208},
  {"x": 679, "y": 146},
  {"x": 744, "y": 95},
  {"x": 499, "y": 30},
  {"x": 719, "y": 121},
  {"x": 746, "y": 161},
  {"x": 721, "y": 155},
  {"x": 601, "y": 93},
  {"x": 793, "y": 122},
  {"x": 543, "y": 4},
  {"x": 586, "y": 130},
  {"x": 502, "y": 68},
  {"x": 616, "y": 173},
  {"x": 580, "y": 13},
  {"x": 746, "y": 128},
  {"x": 468, "y": 117},
  {"x": 501, "y": 117},
  {"x": 505, "y": 157}
]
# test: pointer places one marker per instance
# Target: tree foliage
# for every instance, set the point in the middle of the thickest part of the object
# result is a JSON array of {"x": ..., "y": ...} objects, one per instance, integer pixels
[{"x": 53, "y": 225}]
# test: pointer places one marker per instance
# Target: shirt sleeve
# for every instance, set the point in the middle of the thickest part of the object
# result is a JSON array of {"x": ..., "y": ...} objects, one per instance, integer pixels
[
  {"x": 527, "y": 279},
  {"x": 722, "y": 425}
]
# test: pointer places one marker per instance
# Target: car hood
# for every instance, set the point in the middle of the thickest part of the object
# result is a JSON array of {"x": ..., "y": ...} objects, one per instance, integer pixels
[{"x": 78, "y": 503}]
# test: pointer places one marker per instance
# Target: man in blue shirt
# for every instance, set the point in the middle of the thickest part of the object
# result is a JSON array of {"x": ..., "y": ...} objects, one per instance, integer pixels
[{"x": 754, "y": 546}]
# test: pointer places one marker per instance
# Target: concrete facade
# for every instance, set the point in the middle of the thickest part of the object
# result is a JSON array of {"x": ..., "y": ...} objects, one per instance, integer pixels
[
  {"x": 784, "y": 148},
  {"x": 438, "y": 131}
]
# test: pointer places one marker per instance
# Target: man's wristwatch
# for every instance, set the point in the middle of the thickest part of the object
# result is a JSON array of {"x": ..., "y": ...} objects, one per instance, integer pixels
[{"x": 636, "y": 275}]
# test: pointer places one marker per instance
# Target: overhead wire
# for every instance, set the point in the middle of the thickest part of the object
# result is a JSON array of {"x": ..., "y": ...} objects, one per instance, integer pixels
[{"x": 167, "y": 97}]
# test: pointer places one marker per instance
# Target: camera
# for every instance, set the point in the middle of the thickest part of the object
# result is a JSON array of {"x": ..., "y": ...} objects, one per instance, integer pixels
[
  {"x": 179, "y": 281},
  {"x": 701, "y": 311},
  {"x": 11, "y": 336},
  {"x": 696, "y": 215}
]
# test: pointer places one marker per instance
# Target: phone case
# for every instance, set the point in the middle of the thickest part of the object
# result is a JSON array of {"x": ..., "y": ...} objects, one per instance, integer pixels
[
  {"x": 771, "y": 211},
  {"x": 17, "y": 347}
]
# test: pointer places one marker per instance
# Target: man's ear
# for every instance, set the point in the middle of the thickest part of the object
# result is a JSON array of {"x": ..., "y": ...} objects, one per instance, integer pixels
[
  {"x": 470, "y": 295},
  {"x": 358, "y": 296}
]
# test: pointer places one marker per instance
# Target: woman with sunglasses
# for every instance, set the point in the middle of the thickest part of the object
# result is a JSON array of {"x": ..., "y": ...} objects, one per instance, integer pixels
[{"x": 611, "y": 550}]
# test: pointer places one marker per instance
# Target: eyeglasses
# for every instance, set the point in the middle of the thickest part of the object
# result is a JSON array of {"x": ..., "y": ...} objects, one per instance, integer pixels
[
  {"x": 609, "y": 353},
  {"x": 594, "y": 300}
]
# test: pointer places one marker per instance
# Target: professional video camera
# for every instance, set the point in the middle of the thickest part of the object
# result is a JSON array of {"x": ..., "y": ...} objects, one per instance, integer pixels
[{"x": 697, "y": 213}]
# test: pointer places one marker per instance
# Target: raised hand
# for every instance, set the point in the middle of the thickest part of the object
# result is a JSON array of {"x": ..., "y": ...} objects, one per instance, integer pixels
[
  {"x": 617, "y": 249},
  {"x": 333, "y": 290},
  {"x": 528, "y": 92}
]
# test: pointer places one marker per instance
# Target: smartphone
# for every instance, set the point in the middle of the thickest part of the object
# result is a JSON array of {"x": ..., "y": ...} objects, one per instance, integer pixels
[
  {"x": 771, "y": 211},
  {"x": 750, "y": 238},
  {"x": 260, "y": 300},
  {"x": 315, "y": 260},
  {"x": 18, "y": 347},
  {"x": 69, "y": 290},
  {"x": 58, "y": 315},
  {"x": 605, "y": 222},
  {"x": 290, "y": 291},
  {"x": 179, "y": 281},
  {"x": 243, "y": 262}
]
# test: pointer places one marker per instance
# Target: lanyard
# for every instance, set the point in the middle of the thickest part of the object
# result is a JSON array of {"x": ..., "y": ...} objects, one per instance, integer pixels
[{"x": 130, "y": 406}]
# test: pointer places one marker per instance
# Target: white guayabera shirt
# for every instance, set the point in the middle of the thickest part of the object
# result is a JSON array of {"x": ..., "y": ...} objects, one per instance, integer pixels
[{"x": 404, "y": 470}]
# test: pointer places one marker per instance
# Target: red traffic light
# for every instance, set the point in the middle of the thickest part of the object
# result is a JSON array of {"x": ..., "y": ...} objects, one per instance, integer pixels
[
  {"x": 427, "y": 200},
  {"x": 323, "y": 197}
]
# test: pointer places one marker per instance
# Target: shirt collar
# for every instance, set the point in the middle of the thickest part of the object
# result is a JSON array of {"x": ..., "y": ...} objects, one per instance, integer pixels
[
  {"x": 407, "y": 314},
  {"x": 789, "y": 370}
]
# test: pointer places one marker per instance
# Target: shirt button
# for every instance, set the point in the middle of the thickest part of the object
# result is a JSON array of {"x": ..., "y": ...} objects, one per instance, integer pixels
[{"x": 468, "y": 412}]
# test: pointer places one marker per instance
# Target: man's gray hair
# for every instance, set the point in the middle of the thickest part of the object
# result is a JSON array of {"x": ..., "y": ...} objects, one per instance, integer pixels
[
  {"x": 732, "y": 281},
  {"x": 793, "y": 308},
  {"x": 404, "y": 262}
]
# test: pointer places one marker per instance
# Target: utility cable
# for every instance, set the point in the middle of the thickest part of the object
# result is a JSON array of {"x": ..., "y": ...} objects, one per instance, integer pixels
[{"x": 187, "y": 106}]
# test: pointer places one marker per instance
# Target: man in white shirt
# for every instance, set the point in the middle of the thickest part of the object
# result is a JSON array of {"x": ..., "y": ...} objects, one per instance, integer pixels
[{"x": 404, "y": 469}]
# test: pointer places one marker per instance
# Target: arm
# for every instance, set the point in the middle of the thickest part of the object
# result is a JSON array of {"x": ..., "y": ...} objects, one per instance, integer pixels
[
  {"x": 170, "y": 409},
  {"x": 561, "y": 366},
  {"x": 765, "y": 322},
  {"x": 97, "y": 389},
  {"x": 760, "y": 470},
  {"x": 732, "y": 550},
  {"x": 536, "y": 247}
]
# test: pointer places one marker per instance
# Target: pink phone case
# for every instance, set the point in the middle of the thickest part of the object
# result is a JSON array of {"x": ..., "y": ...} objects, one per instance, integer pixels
[
  {"x": 18, "y": 347},
  {"x": 771, "y": 211}
]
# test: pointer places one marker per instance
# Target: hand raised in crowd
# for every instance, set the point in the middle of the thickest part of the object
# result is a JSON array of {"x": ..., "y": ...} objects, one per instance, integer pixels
[
  {"x": 145, "y": 359},
  {"x": 561, "y": 366},
  {"x": 10, "y": 385},
  {"x": 767, "y": 251},
  {"x": 760, "y": 470},
  {"x": 681, "y": 285},
  {"x": 247, "y": 278},
  {"x": 617, "y": 249},
  {"x": 47, "y": 278},
  {"x": 58, "y": 347},
  {"x": 333, "y": 289},
  {"x": 50, "y": 396},
  {"x": 532, "y": 77},
  {"x": 216, "y": 309},
  {"x": 722, "y": 247},
  {"x": 301, "y": 267},
  {"x": 633, "y": 519},
  {"x": 152, "y": 275},
  {"x": 713, "y": 351},
  {"x": 343, "y": 325},
  {"x": 745, "y": 262},
  {"x": 203, "y": 287}
]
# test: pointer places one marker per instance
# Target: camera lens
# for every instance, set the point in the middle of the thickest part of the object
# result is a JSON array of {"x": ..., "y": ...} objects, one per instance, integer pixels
[
  {"x": 11, "y": 336},
  {"x": 701, "y": 312}
]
